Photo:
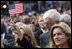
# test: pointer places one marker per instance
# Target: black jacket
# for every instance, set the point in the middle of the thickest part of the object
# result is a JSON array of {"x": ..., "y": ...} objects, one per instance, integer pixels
[
  {"x": 24, "y": 43},
  {"x": 37, "y": 35},
  {"x": 44, "y": 39}
]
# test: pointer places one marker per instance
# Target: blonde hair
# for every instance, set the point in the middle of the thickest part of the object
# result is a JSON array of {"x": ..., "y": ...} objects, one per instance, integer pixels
[
  {"x": 66, "y": 30},
  {"x": 29, "y": 32}
]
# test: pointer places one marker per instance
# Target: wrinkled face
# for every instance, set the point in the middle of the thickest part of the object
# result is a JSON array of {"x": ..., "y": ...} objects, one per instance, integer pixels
[
  {"x": 41, "y": 22},
  {"x": 59, "y": 37},
  {"x": 49, "y": 23}
]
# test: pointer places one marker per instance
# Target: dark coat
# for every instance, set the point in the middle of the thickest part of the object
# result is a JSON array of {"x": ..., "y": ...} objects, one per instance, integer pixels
[
  {"x": 37, "y": 34},
  {"x": 44, "y": 39},
  {"x": 24, "y": 43}
]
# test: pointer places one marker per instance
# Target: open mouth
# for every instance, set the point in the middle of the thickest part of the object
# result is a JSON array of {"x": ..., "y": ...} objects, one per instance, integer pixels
[{"x": 57, "y": 40}]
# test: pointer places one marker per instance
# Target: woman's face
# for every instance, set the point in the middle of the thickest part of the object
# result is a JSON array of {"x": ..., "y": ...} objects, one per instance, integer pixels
[{"x": 59, "y": 37}]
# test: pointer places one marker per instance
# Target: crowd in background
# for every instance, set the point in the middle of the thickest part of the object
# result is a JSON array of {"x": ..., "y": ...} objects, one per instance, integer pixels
[{"x": 48, "y": 28}]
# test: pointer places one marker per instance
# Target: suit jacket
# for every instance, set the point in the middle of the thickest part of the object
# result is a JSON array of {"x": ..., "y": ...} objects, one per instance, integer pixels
[
  {"x": 37, "y": 34},
  {"x": 44, "y": 39}
]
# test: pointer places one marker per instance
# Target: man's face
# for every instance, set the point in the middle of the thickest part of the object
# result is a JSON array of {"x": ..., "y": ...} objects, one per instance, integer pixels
[
  {"x": 41, "y": 22},
  {"x": 49, "y": 23}
]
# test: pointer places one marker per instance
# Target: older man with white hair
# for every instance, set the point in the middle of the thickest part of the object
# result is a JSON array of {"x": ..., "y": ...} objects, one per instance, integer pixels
[
  {"x": 50, "y": 17},
  {"x": 65, "y": 18}
]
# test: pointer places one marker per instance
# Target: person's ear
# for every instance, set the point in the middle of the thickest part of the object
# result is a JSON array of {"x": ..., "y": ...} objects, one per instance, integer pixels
[{"x": 68, "y": 36}]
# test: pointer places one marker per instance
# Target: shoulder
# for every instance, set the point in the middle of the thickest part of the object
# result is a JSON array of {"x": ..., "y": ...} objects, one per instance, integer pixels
[{"x": 44, "y": 35}]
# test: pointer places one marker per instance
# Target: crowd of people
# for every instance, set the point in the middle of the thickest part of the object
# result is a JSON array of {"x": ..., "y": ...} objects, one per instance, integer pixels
[{"x": 50, "y": 29}]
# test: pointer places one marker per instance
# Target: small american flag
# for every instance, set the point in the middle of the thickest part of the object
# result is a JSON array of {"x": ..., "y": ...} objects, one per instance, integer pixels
[{"x": 16, "y": 8}]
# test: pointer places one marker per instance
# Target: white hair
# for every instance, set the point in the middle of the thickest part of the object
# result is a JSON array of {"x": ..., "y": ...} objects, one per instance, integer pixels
[
  {"x": 66, "y": 18},
  {"x": 52, "y": 14}
]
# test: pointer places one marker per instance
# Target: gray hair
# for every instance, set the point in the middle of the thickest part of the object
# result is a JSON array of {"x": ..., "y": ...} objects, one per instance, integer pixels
[
  {"x": 65, "y": 18},
  {"x": 52, "y": 14}
]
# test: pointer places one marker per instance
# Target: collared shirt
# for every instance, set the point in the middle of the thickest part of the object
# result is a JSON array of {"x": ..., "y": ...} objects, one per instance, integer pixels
[{"x": 44, "y": 31}]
